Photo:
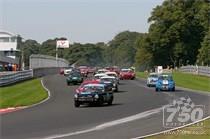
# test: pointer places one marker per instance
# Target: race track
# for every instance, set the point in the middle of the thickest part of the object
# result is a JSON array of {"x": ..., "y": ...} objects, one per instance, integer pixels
[{"x": 58, "y": 118}]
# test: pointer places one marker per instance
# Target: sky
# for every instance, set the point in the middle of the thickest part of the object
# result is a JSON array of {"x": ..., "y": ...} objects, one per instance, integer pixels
[{"x": 84, "y": 21}]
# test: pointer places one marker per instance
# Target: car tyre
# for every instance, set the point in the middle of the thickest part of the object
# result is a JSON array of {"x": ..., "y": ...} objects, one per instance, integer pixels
[
  {"x": 100, "y": 101},
  {"x": 173, "y": 89},
  {"x": 110, "y": 101},
  {"x": 116, "y": 90},
  {"x": 76, "y": 104}
]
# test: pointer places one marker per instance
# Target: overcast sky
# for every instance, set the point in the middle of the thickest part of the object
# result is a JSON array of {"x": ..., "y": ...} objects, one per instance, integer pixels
[{"x": 78, "y": 20}]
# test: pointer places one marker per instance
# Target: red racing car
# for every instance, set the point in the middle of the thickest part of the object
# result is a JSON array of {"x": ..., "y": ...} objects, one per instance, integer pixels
[
  {"x": 127, "y": 74},
  {"x": 80, "y": 88}
]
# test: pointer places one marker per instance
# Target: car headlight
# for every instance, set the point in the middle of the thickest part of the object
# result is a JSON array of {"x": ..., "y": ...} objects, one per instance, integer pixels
[
  {"x": 96, "y": 96},
  {"x": 114, "y": 84},
  {"x": 75, "y": 96}
]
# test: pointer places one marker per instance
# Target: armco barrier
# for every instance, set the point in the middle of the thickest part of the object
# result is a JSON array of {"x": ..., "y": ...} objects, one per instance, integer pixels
[
  {"x": 45, "y": 71},
  {"x": 11, "y": 78},
  {"x": 44, "y": 61},
  {"x": 200, "y": 70}
]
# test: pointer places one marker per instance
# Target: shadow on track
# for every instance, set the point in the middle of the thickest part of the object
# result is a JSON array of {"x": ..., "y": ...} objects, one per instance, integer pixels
[
  {"x": 120, "y": 91},
  {"x": 97, "y": 106}
]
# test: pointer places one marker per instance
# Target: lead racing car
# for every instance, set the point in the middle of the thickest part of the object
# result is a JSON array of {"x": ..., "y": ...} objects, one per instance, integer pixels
[{"x": 93, "y": 94}]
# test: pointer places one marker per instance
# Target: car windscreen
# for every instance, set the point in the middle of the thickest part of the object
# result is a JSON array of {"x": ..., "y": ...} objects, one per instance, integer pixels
[
  {"x": 125, "y": 70},
  {"x": 153, "y": 76},
  {"x": 93, "y": 88},
  {"x": 107, "y": 79},
  {"x": 165, "y": 78},
  {"x": 113, "y": 75},
  {"x": 74, "y": 75}
]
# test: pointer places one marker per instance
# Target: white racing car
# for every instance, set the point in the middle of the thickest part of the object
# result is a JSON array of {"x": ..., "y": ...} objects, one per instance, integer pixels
[
  {"x": 152, "y": 79},
  {"x": 113, "y": 74},
  {"x": 99, "y": 75}
]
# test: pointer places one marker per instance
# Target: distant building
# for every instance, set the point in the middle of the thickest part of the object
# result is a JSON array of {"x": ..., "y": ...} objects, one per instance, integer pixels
[{"x": 9, "y": 44}]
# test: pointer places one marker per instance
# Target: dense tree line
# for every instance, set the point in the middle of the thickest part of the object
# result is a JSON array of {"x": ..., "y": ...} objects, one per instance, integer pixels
[
  {"x": 176, "y": 34},
  {"x": 120, "y": 51},
  {"x": 179, "y": 34}
]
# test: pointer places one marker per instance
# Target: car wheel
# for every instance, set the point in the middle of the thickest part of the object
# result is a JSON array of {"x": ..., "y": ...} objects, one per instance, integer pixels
[
  {"x": 173, "y": 89},
  {"x": 100, "y": 101},
  {"x": 148, "y": 85},
  {"x": 68, "y": 83},
  {"x": 110, "y": 101},
  {"x": 116, "y": 90},
  {"x": 76, "y": 103}
]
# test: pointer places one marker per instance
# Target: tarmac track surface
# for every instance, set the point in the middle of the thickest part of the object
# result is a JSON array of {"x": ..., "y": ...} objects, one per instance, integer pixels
[{"x": 58, "y": 118}]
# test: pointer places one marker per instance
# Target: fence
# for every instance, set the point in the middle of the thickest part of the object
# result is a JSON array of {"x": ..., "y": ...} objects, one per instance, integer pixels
[
  {"x": 40, "y": 65},
  {"x": 7, "y": 78},
  {"x": 200, "y": 70},
  {"x": 14, "y": 77},
  {"x": 43, "y": 61}
]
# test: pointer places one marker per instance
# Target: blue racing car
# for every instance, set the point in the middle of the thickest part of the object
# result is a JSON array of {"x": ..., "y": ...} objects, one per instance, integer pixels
[{"x": 165, "y": 82}]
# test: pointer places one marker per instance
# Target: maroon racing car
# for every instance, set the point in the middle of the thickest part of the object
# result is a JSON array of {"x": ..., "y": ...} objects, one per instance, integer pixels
[{"x": 127, "y": 74}]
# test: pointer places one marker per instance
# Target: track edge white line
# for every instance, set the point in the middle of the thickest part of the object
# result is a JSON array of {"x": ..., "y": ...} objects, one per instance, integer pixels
[{"x": 165, "y": 131}]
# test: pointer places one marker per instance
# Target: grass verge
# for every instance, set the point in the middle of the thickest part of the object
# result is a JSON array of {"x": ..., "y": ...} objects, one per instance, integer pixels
[
  {"x": 186, "y": 80},
  {"x": 191, "y": 81},
  {"x": 22, "y": 94}
]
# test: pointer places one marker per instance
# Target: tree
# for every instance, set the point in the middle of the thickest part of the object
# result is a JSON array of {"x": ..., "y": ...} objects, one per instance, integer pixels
[
  {"x": 176, "y": 31},
  {"x": 121, "y": 50},
  {"x": 204, "y": 51},
  {"x": 144, "y": 57},
  {"x": 28, "y": 48}
]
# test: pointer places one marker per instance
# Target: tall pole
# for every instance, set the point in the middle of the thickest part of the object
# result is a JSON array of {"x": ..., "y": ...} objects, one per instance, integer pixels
[{"x": 56, "y": 56}]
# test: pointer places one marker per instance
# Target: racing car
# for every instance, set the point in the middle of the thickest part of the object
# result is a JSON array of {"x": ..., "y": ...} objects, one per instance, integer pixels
[
  {"x": 113, "y": 74},
  {"x": 99, "y": 75},
  {"x": 61, "y": 71},
  {"x": 93, "y": 94},
  {"x": 152, "y": 79},
  {"x": 67, "y": 71},
  {"x": 85, "y": 82},
  {"x": 127, "y": 74},
  {"x": 111, "y": 82},
  {"x": 74, "y": 78},
  {"x": 165, "y": 82},
  {"x": 83, "y": 70},
  {"x": 100, "y": 71}
]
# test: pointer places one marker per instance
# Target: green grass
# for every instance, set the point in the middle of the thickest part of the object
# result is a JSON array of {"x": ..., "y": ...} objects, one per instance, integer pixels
[
  {"x": 192, "y": 81},
  {"x": 190, "y": 132},
  {"x": 186, "y": 80},
  {"x": 142, "y": 74},
  {"x": 22, "y": 94}
]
